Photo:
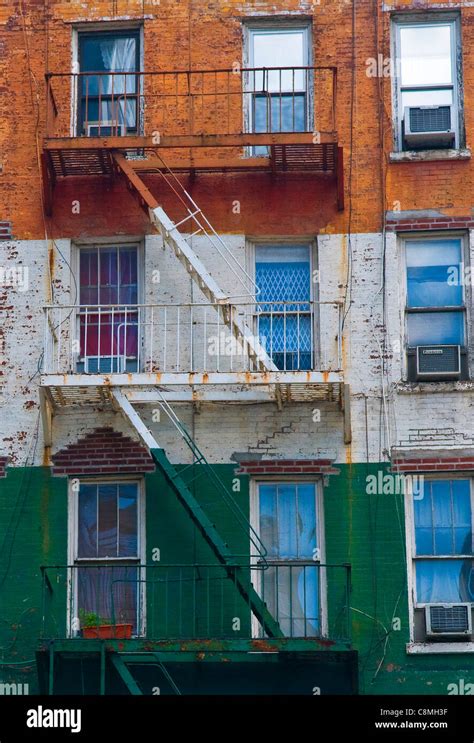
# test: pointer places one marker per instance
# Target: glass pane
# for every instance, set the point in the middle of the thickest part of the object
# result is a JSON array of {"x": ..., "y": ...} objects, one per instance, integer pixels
[
  {"x": 108, "y": 53},
  {"x": 430, "y": 276},
  {"x": 277, "y": 113},
  {"x": 88, "y": 272},
  {"x": 274, "y": 49},
  {"x": 110, "y": 592},
  {"x": 107, "y": 521},
  {"x": 128, "y": 276},
  {"x": 87, "y": 518},
  {"x": 292, "y": 596},
  {"x": 426, "y": 98},
  {"x": 287, "y": 541},
  {"x": 306, "y": 524},
  {"x": 128, "y": 520},
  {"x": 435, "y": 328},
  {"x": 426, "y": 54},
  {"x": 282, "y": 274},
  {"x": 462, "y": 517},
  {"x": 423, "y": 514},
  {"x": 268, "y": 518},
  {"x": 444, "y": 581}
]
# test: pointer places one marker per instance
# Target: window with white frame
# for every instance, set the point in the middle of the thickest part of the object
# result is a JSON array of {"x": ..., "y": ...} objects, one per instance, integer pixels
[
  {"x": 279, "y": 80},
  {"x": 108, "y": 315},
  {"x": 427, "y": 75},
  {"x": 443, "y": 555},
  {"x": 108, "y": 84},
  {"x": 435, "y": 299},
  {"x": 107, "y": 547},
  {"x": 288, "y": 516},
  {"x": 285, "y": 316}
]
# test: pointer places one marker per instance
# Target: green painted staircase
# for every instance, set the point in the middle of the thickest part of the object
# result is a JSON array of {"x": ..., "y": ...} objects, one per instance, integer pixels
[{"x": 226, "y": 557}]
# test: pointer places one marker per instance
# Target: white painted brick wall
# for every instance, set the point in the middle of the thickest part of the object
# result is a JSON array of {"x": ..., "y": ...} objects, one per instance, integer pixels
[{"x": 221, "y": 431}]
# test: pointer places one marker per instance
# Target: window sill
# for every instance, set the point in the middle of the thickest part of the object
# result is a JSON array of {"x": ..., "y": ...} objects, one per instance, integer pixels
[
  {"x": 424, "y": 388},
  {"x": 438, "y": 648},
  {"x": 417, "y": 156}
]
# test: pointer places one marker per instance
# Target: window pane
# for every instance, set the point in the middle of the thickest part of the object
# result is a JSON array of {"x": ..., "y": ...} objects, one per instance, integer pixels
[
  {"x": 268, "y": 518},
  {"x": 287, "y": 541},
  {"x": 429, "y": 278},
  {"x": 423, "y": 513},
  {"x": 283, "y": 274},
  {"x": 279, "y": 113},
  {"x": 288, "y": 519},
  {"x": 306, "y": 525},
  {"x": 107, "y": 521},
  {"x": 435, "y": 328},
  {"x": 426, "y": 98},
  {"x": 128, "y": 520},
  {"x": 109, "y": 592},
  {"x": 279, "y": 49},
  {"x": 462, "y": 517},
  {"x": 426, "y": 54},
  {"x": 292, "y": 597},
  {"x": 87, "y": 516},
  {"x": 444, "y": 581}
]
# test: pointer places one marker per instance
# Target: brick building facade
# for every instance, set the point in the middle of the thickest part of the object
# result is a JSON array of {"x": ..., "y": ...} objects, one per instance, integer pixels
[{"x": 235, "y": 250}]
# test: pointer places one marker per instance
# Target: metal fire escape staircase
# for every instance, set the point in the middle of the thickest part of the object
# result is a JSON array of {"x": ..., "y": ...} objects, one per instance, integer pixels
[
  {"x": 180, "y": 245},
  {"x": 182, "y": 488},
  {"x": 241, "y": 331}
]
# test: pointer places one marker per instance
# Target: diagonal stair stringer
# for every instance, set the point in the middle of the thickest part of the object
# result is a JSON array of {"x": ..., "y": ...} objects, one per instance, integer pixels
[
  {"x": 195, "y": 511},
  {"x": 196, "y": 269}
]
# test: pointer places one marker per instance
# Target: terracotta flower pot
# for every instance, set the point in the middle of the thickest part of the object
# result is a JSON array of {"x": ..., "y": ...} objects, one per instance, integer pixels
[{"x": 108, "y": 632}]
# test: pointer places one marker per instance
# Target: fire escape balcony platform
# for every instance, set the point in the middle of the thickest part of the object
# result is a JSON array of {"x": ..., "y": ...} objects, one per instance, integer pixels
[
  {"x": 276, "y": 120},
  {"x": 140, "y": 650},
  {"x": 297, "y": 152},
  {"x": 95, "y": 389}
]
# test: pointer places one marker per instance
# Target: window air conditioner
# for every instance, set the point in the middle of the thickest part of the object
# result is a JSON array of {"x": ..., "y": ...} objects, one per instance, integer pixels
[
  {"x": 438, "y": 361},
  {"x": 105, "y": 129},
  {"x": 448, "y": 620},
  {"x": 428, "y": 126}
]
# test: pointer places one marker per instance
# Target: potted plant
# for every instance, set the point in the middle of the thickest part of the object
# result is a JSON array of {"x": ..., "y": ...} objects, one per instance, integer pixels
[{"x": 95, "y": 627}]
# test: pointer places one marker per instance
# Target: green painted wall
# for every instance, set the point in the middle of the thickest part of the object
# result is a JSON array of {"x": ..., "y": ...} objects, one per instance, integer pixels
[{"x": 365, "y": 530}]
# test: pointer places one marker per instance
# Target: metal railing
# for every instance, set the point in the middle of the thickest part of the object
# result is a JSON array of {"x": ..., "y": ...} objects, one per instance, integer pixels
[
  {"x": 185, "y": 338},
  {"x": 192, "y": 102},
  {"x": 308, "y": 599}
]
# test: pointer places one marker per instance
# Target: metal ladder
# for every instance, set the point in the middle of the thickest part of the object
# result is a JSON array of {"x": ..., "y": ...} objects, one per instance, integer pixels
[
  {"x": 198, "y": 225},
  {"x": 226, "y": 557}
]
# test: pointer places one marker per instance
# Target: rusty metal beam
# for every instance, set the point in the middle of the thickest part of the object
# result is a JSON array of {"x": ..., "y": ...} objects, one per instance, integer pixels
[
  {"x": 153, "y": 163},
  {"x": 189, "y": 140},
  {"x": 134, "y": 183}
]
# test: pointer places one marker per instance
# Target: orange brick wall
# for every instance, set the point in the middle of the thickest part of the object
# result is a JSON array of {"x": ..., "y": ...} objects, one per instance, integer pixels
[{"x": 198, "y": 34}]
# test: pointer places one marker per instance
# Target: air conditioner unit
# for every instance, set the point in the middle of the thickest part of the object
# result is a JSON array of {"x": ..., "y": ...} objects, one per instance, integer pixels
[
  {"x": 428, "y": 126},
  {"x": 438, "y": 361},
  {"x": 448, "y": 620},
  {"x": 105, "y": 129}
]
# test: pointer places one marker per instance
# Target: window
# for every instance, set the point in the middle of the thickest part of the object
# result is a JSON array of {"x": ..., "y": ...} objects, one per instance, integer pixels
[
  {"x": 278, "y": 100},
  {"x": 289, "y": 527},
  {"x": 109, "y": 98},
  {"x": 284, "y": 310},
  {"x": 108, "y": 317},
  {"x": 443, "y": 543},
  {"x": 427, "y": 77},
  {"x": 107, "y": 530},
  {"x": 435, "y": 307}
]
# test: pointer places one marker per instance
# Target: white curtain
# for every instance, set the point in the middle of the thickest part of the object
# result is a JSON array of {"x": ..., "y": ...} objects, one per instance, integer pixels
[{"x": 119, "y": 55}]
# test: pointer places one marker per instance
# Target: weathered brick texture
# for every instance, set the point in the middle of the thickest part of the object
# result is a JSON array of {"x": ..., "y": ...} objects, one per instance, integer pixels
[{"x": 103, "y": 451}]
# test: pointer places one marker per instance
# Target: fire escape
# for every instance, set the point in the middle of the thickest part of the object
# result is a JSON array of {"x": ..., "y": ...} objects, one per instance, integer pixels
[{"x": 202, "y": 122}]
